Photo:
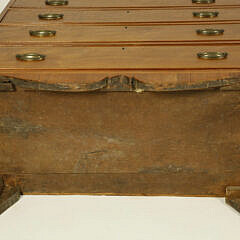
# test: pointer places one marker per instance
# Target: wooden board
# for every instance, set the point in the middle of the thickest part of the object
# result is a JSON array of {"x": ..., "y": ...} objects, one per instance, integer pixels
[
  {"x": 150, "y": 57},
  {"x": 105, "y": 35},
  {"x": 120, "y": 17},
  {"x": 125, "y": 4}
]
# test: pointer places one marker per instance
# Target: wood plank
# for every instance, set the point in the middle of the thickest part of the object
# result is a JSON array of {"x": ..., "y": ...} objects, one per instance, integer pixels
[
  {"x": 120, "y": 17},
  {"x": 75, "y": 35},
  {"x": 109, "y": 58},
  {"x": 170, "y": 144},
  {"x": 125, "y": 4}
]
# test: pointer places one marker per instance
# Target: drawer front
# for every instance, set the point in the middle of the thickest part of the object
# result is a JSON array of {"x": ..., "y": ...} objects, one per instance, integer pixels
[
  {"x": 122, "y": 58},
  {"x": 77, "y": 34},
  {"x": 120, "y": 17},
  {"x": 126, "y": 3}
]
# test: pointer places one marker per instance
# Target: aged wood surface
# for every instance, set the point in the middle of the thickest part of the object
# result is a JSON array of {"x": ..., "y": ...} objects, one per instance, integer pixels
[
  {"x": 233, "y": 197},
  {"x": 123, "y": 58},
  {"x": 126, "y": 4},
  {"x": 106, "y": 35},
  {"x": 188, "y": 141},
  {"x": 120, "y": 110},
  {"x": 9, "y": 194},
  {"x": 121, "y": 17}
]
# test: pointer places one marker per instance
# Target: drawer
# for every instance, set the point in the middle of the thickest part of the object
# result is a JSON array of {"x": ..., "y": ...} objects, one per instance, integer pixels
[
  {"x": 127, "y": 3},
  {"x": 120, "y": 17},
  {"x": 79, "y": 34},
  {"x": 121, "y": 58}
]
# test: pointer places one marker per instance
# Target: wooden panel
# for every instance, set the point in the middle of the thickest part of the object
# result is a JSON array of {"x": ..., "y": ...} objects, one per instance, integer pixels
[
  {"x": 30, "y": 16},
  {"x": 75, "y": 34},
  {"x": 151, "y": 57},
  {"x": 126, "y": 3},
  {"x": 180, "y": 144}
]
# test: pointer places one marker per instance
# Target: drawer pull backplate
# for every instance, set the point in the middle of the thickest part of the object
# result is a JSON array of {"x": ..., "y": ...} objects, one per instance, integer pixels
[
  {"x": 205, "y": 14},
  {"x": 50, "y": 16},
  {"x": 210, "y": 32},
  {"x": 30, "y": 57},
  {"x": 42, "y": 33},
  {"x": 212, "y": 55},
  {"x": 56, "y": 2}
]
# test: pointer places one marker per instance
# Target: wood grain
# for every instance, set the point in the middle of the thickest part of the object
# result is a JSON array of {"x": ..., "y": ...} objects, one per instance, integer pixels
[
  {"x": 150, "y": 57},
  {"x": 107, "y": 35},
  {"x": 126, "y": 4},
  {"x": 127, "y": 143},
  {"x": 120, "y": 17}
]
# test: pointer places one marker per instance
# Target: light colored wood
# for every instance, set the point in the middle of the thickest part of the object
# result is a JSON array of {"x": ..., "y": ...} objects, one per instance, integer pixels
[
  {"x": 151, "y": 57},
  {"x": 126, "y": 3},
  {"x": 120, "y": 17},
  {"x": 75, "y": 34}
]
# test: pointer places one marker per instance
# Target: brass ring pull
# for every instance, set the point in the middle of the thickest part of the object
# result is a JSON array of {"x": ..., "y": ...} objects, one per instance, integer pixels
[
  {"x": 210, "y": 32},
  {"x": 205, "y": 14},
  {"x": 30, "y": 57},
  {"x": 42, "y": 33},
  {"x": 203, "y": 1},
  {"x": 56, "y": 2},
  {"x": 212, "y": 55},
  {"x": 50, "y": 16}
]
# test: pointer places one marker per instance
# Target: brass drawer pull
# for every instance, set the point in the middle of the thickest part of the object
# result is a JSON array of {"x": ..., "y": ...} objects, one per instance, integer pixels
[
  {"x": 212, "y": 55},
  {"x": 56, "y": 2},
  {"x": 42, "y": 33},
  {"x": 50, "y": 16},
  {"x": 203, "y": 1},
  {"x": 30, "y": 57},
  {"x": 205, "y": 14},
  {"x": 210, "y": 32}
]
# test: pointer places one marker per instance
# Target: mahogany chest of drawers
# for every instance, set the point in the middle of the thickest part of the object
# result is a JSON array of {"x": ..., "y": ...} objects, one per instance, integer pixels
[{"x": 120, "y": 98}]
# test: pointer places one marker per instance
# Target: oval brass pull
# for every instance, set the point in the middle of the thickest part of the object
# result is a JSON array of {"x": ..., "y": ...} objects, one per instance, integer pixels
[
  {"x": 42, "y": 33},
  {"x": 30, "y": 57},
  {"x": 203, "y": 1},
  {"x": 56, "y": 2},
  {"x": 212, "y": 55},
  {"x": 205, "y": 14},
  {"x": 210, "y": 32},
  {"x": 51, "y": 16}
]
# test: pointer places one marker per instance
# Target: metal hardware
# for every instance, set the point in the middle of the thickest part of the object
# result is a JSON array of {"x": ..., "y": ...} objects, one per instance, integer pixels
[
  {"x": 212, "y": 55},
  {"x": 205, "y": 14},
  {"x": 56, "y": 2},
  {"x": 42, "y": 33},
  {"x": 30, "y": 57},
  {"x": 203, "y": 1},
  {"x": 51, "y": 16},
  {"x": 210, "y": 32}
]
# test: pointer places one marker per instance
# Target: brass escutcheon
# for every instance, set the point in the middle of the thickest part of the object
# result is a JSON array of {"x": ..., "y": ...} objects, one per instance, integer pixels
[
  {"x": 56, "y": 2},
  {"x": 212, "y": 55},
  {"x": 205, "y": 14},
  {"x": 210, "y": 32},
  {"x": 42, "y": 33},
  {"x": 30, "y": 57},
  {"x": 203, "y": 1},
  {"x": 50, "y": 16}
]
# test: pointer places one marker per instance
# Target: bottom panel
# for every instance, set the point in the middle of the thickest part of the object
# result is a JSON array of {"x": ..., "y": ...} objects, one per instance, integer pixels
[{"x": 178, "y": 184}]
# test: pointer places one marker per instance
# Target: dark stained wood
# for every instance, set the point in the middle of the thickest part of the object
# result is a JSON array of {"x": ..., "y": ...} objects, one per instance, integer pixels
[{"x": 233, "y": 197}]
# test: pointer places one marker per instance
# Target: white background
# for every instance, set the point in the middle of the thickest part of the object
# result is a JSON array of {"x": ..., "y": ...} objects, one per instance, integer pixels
[{"x": 118, "y": 218}]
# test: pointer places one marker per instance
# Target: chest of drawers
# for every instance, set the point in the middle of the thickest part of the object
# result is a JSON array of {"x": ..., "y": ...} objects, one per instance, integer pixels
[{"x": 120, "y": 98}]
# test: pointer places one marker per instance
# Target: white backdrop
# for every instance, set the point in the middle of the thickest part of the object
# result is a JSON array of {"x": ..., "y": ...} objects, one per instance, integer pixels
[{"x": 118, "y": 218}]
